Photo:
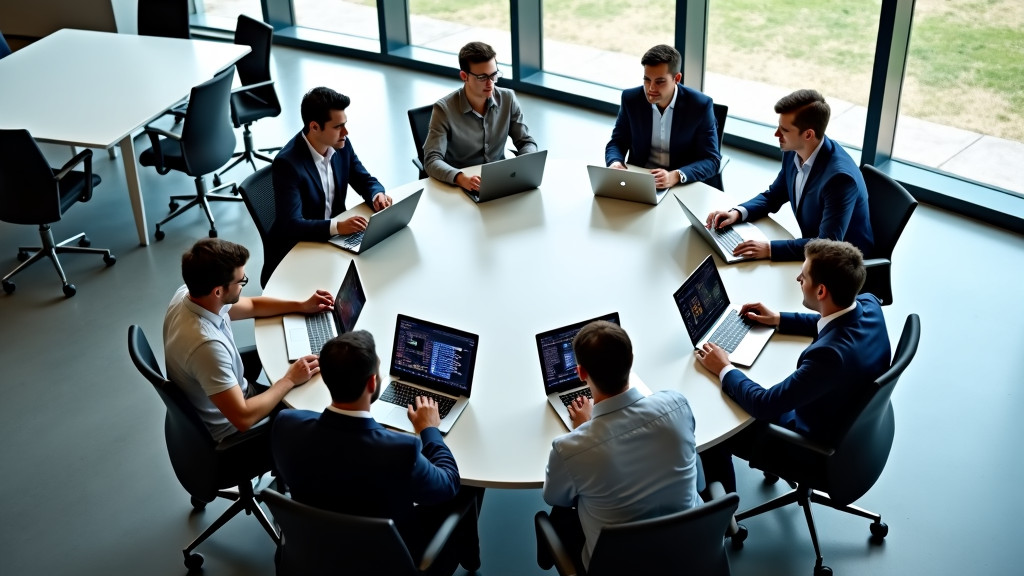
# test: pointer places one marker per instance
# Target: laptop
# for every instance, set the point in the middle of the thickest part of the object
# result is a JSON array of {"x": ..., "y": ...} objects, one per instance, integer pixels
[
  {"x": 380, "y": 225},
  {"x": 709, "y": 316},
  {"x": 305, "y": 335},
  {"x": 558, "y": 367},
  {"x": 431, "y": 360},
  {"x": 509, "y": 176},
  {"x": 625, "y": 185},
  {"x": 725, "y": 240}
]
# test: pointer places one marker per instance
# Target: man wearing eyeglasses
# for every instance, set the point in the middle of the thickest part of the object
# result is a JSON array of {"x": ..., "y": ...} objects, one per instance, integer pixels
[
  {"x": 199, "y": 346},
  {"x": 665, "y": 126},
  {"x": 479, "y": 112}
]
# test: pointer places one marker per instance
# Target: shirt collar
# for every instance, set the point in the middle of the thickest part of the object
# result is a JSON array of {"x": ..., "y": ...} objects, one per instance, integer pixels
[
  {"x": 809, "y": 163},
  {"x": 216, "y": 319},
  {"x": 352, "y": 413},
  {"x": 467, "y": 107},
  {"x": 617, "y": 402},
  {"x": 317, "y": 157},
  {"x": 824, "y": 320},
  {"x": 672, "y": 103}
]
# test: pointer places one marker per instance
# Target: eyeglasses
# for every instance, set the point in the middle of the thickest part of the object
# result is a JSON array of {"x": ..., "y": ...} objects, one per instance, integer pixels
[
  {"x": 493, "y": 77},
  {"x": 243, "y": 281}
]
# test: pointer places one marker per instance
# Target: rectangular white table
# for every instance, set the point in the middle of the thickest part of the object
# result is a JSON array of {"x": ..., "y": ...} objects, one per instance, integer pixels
[{"x": 93, "y": 89}]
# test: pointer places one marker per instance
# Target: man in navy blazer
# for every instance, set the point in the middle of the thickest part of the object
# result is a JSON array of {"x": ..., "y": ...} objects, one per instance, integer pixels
[
  {"x": 343, "y": 460},
  {"x": 312, "y": 174},
  {"x": 850, "y": 349},
  {"x": 819, "y": 180},
  {"x": 665, "y": 126}
]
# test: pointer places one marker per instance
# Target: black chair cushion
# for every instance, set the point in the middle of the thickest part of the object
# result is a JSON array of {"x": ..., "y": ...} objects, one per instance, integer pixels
[
  {"x": 250, "y": 106},
  {"x": 173, "y": 157}
]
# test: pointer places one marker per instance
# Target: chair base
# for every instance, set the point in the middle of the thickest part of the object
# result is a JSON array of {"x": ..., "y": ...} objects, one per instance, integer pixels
[
  {"x": 244, "y": 500},
  {"x": 203, "y": 197},
  {"x": 29, "y": 255},
  {"x": 250, "y": 154}
]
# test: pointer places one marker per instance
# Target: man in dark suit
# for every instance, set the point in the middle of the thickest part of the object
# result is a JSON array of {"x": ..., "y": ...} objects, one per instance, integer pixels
[
  {"x": 312, "y": 174},
  {"x": 850, "y": 349},
  {"x": 665, "y": 126},
  {"x": 819, "y": 180},
  {"x": 343, "y": 460}
]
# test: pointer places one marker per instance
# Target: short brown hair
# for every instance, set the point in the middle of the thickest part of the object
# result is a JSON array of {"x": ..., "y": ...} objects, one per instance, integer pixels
[
  {"x": 346, "y": 361},
  {"x": 812, "y": 112},
  {"x": 209, "y": 263},
  {"x": 839, "y": 266},
  {"x": 475, "y": 53},
  {"x": 604, "y": 350},
  {"x": 663, "y": 54}
]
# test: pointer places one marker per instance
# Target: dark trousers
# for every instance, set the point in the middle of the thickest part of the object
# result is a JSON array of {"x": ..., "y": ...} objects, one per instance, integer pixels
[{"x": 464, "y": 545}]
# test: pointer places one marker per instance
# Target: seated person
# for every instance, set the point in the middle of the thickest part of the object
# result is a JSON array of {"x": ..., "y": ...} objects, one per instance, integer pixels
[
  {"x": 665, "y": 126},
  {"x": 849, "y": 350},
  {"x": 477, "y": 114},
  {"x": 819, "y": 180},
  {"x": 344, "y": 461},
  {"x": 629, "y": 457},
  {"x": 199, "y": 346},
  {"x": 312, "y": 174}
]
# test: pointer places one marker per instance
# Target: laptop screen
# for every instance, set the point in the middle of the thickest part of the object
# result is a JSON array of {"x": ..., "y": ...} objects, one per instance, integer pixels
[
  {"x": 557, "y": 359},
  {"x": 434, "y": 356},
  {"x": 701, "y": 299},
  {"x": 348, "y": 303}
]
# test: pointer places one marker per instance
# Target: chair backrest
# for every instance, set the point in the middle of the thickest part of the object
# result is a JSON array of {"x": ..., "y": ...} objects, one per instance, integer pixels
[
  {"x": 863, "y": 450},
  {"x": 257, "y": 191},
  {"x": 890, "y": 205},
  {"x": 167, "y": 18},
  {"x": 208, "y": 135},
  {"x": 258, "y": 36},
  {"x": 29, "y": 192},
  {"x": 419, "y": 123},
  {"x": 688, "y": 542},
  {"x": 189, "y": 443},
  {"x": 721, "y": 114},
  {"x": 315, "y": 541}
]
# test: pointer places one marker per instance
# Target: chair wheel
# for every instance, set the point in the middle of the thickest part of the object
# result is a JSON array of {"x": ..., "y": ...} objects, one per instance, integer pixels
[
  {"x": 216, "y": 180},
  {"x": 84, "y": 242},
  {"x": 879, "y": 530},
  {"x": 213, "y": 232},
  {"x": 110, "y": 260},
  {"x": 193, "y": 561},
  {"x": 9, "y": 287},
  {"x": 22, "y": 255},
  {"x": 822, "y": 571},
  {"x": 172, "y": 205},
  {"x": 69, "y": 290},
  {"x": 739, "y": 537},
  {"x": 159, "y": 234},
  {"x": 198, "y": 504}
]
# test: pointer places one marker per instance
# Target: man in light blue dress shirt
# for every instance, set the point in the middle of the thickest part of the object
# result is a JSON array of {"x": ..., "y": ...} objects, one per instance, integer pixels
[{"x": 629, "y": 457}]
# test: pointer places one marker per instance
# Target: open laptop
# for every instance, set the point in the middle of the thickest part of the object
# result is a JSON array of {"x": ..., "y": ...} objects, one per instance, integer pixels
[
  {"x": 380, "y": 225},
  {"x": 431, "y": 360},
  {"x": 709, "y": 316},
  {"x": 724, "y": 241},
  {"x": 558, "y": 367},
  {"x": 625, "y": 185},
  {"x": 305, "y": 335},
  {"x": 509, "y": 176}
]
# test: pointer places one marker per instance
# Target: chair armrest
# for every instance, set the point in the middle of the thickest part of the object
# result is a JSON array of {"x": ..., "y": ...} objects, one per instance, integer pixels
[
  {"x": 877, "y": 262},
  {"x": 248, "y": 87},
  {"x": 546, "y": 534},
  {"x": 235, "y": 440},
  {"x": 154, "y": 141},
  {"x": 419, "y": 165},
  {"x": 83, "y": 156},
  {"x": 716, "y": 490},
  {"x": 790, "y": 437},
  {"x": 723, "y": 162},
  {"x": 444, "y": 533}
]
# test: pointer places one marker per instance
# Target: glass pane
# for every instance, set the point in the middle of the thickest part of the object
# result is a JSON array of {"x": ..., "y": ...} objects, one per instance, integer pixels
[
  {"x": 224, "y": 13},
  {"x": 601, "y": 41},
  {"x": 448, "y": 25},
  {"x": 760, "y": 51},
  {"x": 962, "y": 108},
  {"x": 352, "y": 17}
]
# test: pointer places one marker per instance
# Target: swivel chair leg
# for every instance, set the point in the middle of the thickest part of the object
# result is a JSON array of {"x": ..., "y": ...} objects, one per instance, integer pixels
[{"x": 50, "y": 249}]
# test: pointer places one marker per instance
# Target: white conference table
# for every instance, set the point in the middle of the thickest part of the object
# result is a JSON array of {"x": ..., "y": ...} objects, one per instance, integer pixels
[
  {"x": 514, "y": 267},
  {"x": 93, "y": 89}
]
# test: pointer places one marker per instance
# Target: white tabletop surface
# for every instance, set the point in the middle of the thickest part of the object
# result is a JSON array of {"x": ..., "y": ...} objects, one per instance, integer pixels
[{"x": 514, "y": 267}]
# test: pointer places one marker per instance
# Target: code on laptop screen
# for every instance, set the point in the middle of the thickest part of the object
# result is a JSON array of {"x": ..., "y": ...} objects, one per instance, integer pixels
[
  {"x": 433, "y": 355},
  {"x": 557, "y": 359},
  {"x": 701, "y": 299}
]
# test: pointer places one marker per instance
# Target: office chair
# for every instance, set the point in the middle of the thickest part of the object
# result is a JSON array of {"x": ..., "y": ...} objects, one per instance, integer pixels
[
  {"x": 258, "y": 193},
  {"x": 419, "y": 123},
  {"x": 316, "y": 541},
  {"x": 891, "y": 207},
  {"x": 256, "y": 98},
  {"x": 836, "y": 476},
  {"x": 31, "y": 192},
  {"x": 206, "y": 143},
  {"x": 167, "y": 18},
  {"x": 687, "y": 542},
  {"x": 205, "y": 469},
  {"x": 721, "y": 115}
]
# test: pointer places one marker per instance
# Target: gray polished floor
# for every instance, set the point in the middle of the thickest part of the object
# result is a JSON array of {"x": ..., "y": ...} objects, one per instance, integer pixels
[{"x": 87, "y": 487}]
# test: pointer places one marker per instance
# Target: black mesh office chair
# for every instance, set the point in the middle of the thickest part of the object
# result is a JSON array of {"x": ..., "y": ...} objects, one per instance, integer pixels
[
  {"x": 419, "y": 123},
  {"x": 205, "y": 469},
  {"x": 206, "y": 143},
  {"x": 688, "y": 542},
  {"x": 258, "y": 192},
  {"x": 721, "y": 115},
  {"x": 315, "y": 541},
  {"x": 891, "y": 207},
  {"x": 256, "y": 98},
  {"x": 836, "y": 476},
  {"x": 31, "y": 192},
  {"x": 167, "y": 18}
]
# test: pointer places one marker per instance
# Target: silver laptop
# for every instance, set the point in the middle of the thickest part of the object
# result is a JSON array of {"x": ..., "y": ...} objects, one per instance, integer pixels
[
  {"x": 625, "y": 185},
  {"x": 725, "y": 240},
  {"x": 509, "y": 176},
  {"x": 710, "y": 317},
  {"x": 380, "y": 225},
  {"x": 558, "y": 367},
  {"x": 305, "y": 335},
  {"x": 431, "y": 360}
]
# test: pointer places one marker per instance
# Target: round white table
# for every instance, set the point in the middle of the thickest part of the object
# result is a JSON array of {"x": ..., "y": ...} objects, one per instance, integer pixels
[{"x": 514, "y": 267}]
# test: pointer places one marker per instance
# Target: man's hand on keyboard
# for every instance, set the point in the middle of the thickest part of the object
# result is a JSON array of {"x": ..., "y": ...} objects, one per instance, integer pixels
[
  {"x": 349, "y": 225},
  {"x": 320, "y": 300},
  {"x": 424, "y": 414},
  {"x": 580, "y": 410},
  {"x": 712, "y": 357},
  {"x": 719, "y": 219},
  {"x": 753, "y": 249},
  {"x": 759, "y": 313},
  {"x": 302, "y": 370}
]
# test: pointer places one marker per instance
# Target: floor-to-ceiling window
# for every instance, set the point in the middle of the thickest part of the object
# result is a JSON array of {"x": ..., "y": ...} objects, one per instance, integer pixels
[
  {"x": 447, "y": 25},
  {"x": 224, "y": 13}
]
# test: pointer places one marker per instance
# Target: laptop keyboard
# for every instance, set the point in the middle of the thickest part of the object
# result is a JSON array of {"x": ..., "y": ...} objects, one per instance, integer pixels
[
  {"x": 318, "y": 327},
  {"x": 730, "y": 332},
  {"x": 404, "y": 395},
  {"x": 727, "y": 238},
  {"x": 568, "y": 398},
  {"x": 352, "y": 241}
]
